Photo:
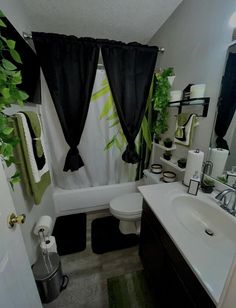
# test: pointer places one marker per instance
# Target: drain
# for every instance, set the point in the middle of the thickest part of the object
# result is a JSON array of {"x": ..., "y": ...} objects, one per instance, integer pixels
[{"x": 209, "y": 232}]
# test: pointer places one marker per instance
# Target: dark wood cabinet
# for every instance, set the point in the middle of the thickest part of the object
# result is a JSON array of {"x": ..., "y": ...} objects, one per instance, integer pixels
[{"x": 170, "y": 279}]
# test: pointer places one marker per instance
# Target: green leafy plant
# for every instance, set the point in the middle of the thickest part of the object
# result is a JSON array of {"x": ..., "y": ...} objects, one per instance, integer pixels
[
  {"x": 222, "y": 179},
  {"x": 161, "y": 98},
  {"x": 208, "y": 182},
  {"x": 10, "y": 79}
]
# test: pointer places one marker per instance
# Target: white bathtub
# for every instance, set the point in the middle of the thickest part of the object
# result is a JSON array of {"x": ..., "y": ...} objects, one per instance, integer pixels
[{"x": 89, "y": 199}]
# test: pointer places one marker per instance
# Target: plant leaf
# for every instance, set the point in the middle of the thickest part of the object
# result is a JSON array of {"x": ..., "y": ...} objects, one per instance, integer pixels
[
  {"x": 15, "y": 56},
  {"x": 8, "y": 65},
  {"x": 6, "y": 92},
  {"x": 22, "y": 95},
  {"x": 11, "y": 44},
  {"x": 2, "y": 24},
  {"x": 7, "y": 130}
]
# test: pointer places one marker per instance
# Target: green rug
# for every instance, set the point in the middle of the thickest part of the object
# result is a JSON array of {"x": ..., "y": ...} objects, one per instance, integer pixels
[{"x": 129, "y": 291}]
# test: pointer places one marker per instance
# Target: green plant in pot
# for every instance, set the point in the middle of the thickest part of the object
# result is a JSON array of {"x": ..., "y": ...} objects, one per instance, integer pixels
[
  {"x": 10, "y": 79},
  {"x": 161, "y": 98},
  {"x": 168, "y": 142},
  {"x": 167, "y": 155},
  {"x": 182, "y": 162},
  {"x": 207, "y": 185}
]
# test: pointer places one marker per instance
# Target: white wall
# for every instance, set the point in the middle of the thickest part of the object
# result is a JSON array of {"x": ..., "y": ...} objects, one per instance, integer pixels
[
  {"x": 15, "y": 14},
  {"x": 196, "y": 37}
]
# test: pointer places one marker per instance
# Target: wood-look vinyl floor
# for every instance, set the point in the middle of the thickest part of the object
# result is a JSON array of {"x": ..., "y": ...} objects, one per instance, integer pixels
[{"x": 88, "y": 273}]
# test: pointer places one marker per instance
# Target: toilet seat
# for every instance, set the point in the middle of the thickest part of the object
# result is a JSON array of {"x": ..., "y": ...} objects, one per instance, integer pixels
[{"x": 127, "y": 205}]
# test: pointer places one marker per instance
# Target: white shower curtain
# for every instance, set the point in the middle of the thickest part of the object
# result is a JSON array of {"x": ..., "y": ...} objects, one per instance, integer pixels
[{"x": 101, "y": 166}]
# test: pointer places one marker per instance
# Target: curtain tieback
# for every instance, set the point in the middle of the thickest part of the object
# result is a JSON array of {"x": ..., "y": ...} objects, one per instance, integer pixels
[
  {"x": 73, "y": 160},
  {"x": 130, "y": 154}
]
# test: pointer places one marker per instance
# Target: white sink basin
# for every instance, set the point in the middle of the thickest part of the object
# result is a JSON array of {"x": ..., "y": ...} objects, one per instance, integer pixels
[
  {"x": 206, "y": 220},
  {"x": 186, "y": 219}
]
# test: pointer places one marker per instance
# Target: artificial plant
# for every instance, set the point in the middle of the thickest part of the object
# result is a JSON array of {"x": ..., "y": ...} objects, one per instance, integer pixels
[
  {"x": 161, "y": 98},
  {"x": 10, "y": 79}
]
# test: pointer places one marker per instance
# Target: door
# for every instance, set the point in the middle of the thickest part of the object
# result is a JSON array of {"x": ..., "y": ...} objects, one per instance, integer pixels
[{"x": 17, "y": 285}]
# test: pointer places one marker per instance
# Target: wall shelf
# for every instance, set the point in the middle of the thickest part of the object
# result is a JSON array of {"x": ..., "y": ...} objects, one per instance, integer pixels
[
  {"x": 172, "y": 164},
  {"x": 202, "y": 101},
  {"x": 162, "y": 147}
]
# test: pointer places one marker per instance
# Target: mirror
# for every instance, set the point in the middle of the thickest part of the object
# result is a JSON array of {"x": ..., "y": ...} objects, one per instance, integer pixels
[{"x": 221, "y": 161}]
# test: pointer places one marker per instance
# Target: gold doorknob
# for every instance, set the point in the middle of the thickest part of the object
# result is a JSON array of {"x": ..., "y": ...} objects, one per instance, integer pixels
[{"x": 13, "y": 219}]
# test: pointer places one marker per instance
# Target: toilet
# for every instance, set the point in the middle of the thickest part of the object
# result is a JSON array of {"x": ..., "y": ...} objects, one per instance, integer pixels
[{"x": 128, "y": 207}]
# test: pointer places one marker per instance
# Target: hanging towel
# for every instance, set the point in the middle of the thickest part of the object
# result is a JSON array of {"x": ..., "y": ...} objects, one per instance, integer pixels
[
  {"x": 31, "y": 187},
  {"x": 185, "y": 126},
  {"x": 35, "y": 144}
]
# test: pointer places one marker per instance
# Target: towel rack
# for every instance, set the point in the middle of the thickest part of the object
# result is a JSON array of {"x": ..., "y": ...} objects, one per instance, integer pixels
[{"x": 203, "y": 101}]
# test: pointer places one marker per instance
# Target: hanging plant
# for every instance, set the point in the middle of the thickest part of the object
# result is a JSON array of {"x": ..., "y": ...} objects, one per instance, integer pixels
[
  {"x": 161, "y": 98},
  {"x": 10, "y": 79}
]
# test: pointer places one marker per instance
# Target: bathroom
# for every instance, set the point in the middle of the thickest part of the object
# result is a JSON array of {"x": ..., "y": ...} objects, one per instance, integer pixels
[{"x": 195, "y": 36}]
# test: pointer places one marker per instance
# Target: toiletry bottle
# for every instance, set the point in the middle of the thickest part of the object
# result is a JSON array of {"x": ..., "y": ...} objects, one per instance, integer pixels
[{"x": 194, "y": 184}]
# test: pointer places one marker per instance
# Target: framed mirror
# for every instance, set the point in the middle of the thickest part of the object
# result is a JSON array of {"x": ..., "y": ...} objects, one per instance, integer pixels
[{"x": 221, "y": 160}]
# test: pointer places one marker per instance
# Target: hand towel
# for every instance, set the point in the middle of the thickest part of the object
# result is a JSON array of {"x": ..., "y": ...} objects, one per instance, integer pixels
[
  {"x": 185, "y": 126},
  {"x": 31, "y": 188},
  {"x": 34, "y": 142}
]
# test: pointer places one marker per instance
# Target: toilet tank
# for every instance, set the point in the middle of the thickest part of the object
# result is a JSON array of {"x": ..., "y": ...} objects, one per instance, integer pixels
[{"x": 150, "y": 178}]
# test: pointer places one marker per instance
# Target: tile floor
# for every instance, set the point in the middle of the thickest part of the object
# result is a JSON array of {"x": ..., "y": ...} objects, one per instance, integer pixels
[{"x": 88, "y": 273}]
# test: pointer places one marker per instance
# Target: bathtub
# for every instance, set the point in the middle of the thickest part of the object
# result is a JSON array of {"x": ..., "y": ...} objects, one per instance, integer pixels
[{"x": 90, "y": 198}]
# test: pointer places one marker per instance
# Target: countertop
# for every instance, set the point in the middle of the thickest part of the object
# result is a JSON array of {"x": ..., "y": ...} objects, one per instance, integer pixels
[{"x": 210, "y": 263}]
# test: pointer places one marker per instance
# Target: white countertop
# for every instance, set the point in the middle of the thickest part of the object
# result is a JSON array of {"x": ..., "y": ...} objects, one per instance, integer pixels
[{"x": 210, "y": 264}]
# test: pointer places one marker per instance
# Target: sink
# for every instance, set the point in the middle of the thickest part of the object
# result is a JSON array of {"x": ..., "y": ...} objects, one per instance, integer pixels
[{"x": 206, "y": 220}]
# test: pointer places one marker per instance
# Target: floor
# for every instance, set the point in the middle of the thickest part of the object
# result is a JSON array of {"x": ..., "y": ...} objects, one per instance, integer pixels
[{"x": 88, "y": 273}]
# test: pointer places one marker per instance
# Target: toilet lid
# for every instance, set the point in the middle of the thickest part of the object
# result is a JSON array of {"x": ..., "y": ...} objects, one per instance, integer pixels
[{"x": 127, "y": 204}]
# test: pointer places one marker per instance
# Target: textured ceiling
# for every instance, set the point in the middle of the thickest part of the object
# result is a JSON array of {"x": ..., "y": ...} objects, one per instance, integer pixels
[{"x": 126, "y": 20}]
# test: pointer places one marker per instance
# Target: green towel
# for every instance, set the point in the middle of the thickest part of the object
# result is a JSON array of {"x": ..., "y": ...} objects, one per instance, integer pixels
[
  {"x": 34, "y": 120},
  {"x": 35, "y": 190}
]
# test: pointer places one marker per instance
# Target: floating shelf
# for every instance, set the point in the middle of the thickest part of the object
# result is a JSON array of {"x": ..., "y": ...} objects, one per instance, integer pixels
[
  {"x": 201, "y": 101},
  {"x": 161, "y": 146},
  {"x": 172, "y": 164}
]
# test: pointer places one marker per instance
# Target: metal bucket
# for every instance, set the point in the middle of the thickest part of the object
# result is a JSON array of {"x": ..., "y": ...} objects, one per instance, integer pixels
[{"x": 49, "y": 277}]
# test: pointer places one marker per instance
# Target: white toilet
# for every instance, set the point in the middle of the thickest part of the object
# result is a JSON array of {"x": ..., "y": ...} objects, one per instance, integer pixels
[{"x": 128, "y": 208}]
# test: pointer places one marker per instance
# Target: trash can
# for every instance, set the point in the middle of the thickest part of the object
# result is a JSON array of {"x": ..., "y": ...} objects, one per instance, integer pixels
[{"x": 49, "y": 277}]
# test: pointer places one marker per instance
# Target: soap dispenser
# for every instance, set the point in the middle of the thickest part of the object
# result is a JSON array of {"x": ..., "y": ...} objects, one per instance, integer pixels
[{"x": 194, "y": 184}]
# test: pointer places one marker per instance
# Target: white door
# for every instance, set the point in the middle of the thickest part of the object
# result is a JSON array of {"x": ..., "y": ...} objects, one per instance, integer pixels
[{"x": 17, "y": 285}]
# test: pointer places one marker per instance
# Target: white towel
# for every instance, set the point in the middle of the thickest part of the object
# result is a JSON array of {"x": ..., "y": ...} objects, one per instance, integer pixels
[{"x": 37, "y": 174}]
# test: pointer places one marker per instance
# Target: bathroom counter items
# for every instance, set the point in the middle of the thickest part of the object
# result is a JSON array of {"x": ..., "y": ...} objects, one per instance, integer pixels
[{"x": 209, "y": 257}]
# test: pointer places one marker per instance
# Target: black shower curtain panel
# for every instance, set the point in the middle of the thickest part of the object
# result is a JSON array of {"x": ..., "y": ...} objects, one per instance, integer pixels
[
  {"x": 69, "y": 65},
  {"x": 129, "y": 69},
  {"x": 227, "y": 102}
]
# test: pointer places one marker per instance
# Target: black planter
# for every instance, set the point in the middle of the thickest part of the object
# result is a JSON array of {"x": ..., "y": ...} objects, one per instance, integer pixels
[
  {"x": 167, "y": 157},
  {"x": 168, "y": 144},
  {"x": 181, "y": 164},
  {"x": 207, "y": 189}
]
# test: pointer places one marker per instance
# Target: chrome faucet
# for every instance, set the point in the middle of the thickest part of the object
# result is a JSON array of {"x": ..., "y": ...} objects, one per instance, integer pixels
[{"x": 227, "y": 200}]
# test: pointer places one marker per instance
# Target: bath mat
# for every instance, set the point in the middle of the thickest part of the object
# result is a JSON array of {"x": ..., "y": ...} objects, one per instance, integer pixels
[
  {"x": 129, "y": 291},
  {"x": 106, "y": 236},
  {"x": 70, "y": 233}
]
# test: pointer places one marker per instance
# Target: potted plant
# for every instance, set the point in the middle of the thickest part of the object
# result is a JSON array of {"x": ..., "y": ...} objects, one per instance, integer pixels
[
  {"x": 167, "y": 155},
  {"x": 171, "y": 78},
  {"x": 182, "y": 162},
  {"x": 10, "y": 94},
  {"x": 207, "y": 185},
  {"x": 168, "y": 142},
  {"x": 161, "y": 98}
]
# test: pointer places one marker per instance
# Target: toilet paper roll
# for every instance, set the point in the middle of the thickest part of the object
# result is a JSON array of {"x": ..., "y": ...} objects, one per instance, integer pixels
[
  {"x": 218, "y": 158},
  {"x": 194, "y": 164},
  {"x": 49, "y": 245},
  {"x": 44, "y": 224}
]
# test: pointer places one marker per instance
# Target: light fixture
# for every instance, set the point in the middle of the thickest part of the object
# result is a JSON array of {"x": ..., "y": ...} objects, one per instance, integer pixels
[{"x": 232, "y": 20}]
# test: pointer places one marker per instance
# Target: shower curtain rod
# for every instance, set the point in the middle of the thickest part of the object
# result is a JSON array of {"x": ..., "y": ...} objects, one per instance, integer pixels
[{"x": 28, "y": 36}]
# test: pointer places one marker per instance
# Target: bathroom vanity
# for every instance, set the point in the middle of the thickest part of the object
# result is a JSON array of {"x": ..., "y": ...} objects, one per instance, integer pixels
[{"x": 185, "y": 266}]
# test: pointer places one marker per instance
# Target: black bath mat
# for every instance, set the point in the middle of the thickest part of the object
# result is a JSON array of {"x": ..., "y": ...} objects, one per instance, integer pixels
[
  {"x": 106, "y": 236},
  {"x": 70, "y": 233}
]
